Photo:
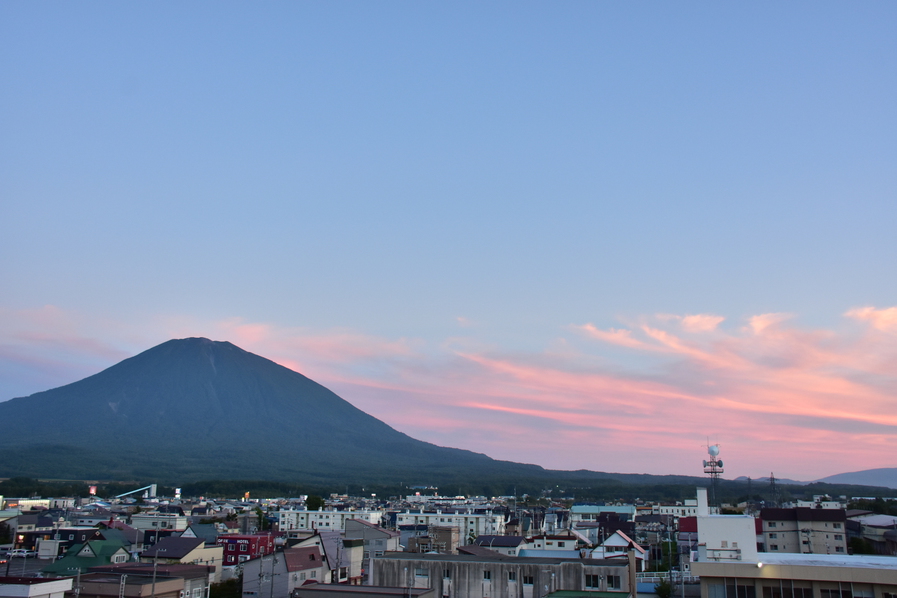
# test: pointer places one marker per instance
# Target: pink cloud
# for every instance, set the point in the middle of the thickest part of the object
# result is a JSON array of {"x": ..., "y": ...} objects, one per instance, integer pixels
[
  {"x": 823, "y": 397},
  {"x": 882, "y": 319}
]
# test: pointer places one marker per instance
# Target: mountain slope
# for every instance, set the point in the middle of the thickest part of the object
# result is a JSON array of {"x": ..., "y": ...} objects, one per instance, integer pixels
[
  {"x": 195, "y": 408},
  {"x": 885, "y": 476}
]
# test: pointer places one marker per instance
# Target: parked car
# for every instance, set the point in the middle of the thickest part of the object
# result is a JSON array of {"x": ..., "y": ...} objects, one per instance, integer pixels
[{"x": 21, "y": 552}]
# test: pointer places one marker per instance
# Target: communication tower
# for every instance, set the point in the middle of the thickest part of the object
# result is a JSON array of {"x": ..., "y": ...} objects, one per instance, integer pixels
[{"x": 713, "y": 467}]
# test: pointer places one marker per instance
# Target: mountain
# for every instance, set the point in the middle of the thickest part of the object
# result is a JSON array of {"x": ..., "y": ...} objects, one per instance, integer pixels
[
  {"x": 197, "y": 409},
  {"x": 885, "y": 476}
]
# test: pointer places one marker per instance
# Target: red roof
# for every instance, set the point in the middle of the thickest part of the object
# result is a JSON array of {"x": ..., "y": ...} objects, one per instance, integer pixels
[
  {"x": 688, "y": 524},
  {"x": 303, "y": 557}
]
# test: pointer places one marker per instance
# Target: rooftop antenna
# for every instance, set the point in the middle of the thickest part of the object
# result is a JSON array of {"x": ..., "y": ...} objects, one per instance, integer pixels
[{"x": 713, "y": 467}]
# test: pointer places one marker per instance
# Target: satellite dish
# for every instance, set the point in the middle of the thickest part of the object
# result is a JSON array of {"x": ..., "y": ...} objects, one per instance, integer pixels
[
  {"x": 720, "y": 462},
  {"x": 713, "y": 450}
]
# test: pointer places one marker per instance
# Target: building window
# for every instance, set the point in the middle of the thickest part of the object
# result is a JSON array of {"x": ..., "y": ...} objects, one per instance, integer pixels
[
  {"x": 421, "y": 572},
  {"x": 839, "y": 537},
  {"x": 314, "y": 574},
  {"x": 528, "y": 581},
  {"x": 243, "y": 547},
  {"x": 561, "y": 544},
  {"x": 512, "y": 576},
  {"x": 487, "y": 575},
  {"x": 836, "y": 525},
  {"x": 773, "y": 546},
  {"x": 593, "y": 581},
  {"x": 613, "y": 582},
  {"x": 839, "y": 549},
  {"x": 773, "y": 536},
  {"x": 771, "y": 524},
  {"x": 446, "y": 574}
]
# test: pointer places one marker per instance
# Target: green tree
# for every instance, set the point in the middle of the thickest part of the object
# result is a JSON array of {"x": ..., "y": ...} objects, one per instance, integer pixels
[
  {"x": 314, "y": 502},
  {"x": 861, "y": 546},
  {"x": 664, "y": 589},
  {"x": 232, "y": 588}
]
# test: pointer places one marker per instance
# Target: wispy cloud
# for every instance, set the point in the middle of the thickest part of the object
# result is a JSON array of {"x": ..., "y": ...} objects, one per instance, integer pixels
[{"x": 761, "y": 385}]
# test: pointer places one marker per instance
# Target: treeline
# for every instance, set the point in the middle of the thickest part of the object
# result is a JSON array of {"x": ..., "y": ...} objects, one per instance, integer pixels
[{"x": 600, "y": 489}]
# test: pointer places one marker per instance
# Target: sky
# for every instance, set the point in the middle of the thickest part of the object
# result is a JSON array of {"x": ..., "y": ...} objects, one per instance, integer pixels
[{"x": 586, "y": 235}]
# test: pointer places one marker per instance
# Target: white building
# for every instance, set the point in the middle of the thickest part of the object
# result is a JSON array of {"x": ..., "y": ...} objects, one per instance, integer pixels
[
  {"x": 724, "y": 537},
  {"x": 580, "y": 513},
  {"x": 470, "y": 524},
  {"x": 154, "y": 521},
  {"x": 323, "y": 519},
  {"x": 689, "y": 508}
]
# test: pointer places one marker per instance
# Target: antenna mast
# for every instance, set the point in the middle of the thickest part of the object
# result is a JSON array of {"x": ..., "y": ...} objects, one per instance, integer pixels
[{"x": 713, "y": 467}]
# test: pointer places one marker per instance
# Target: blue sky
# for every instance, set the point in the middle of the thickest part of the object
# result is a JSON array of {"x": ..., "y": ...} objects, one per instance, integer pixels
[{"x": 395, "y": 197}]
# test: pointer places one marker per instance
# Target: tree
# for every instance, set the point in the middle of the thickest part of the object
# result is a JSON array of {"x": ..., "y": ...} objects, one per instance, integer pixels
[
  {"x": 861, "y": 546},
  {"x": 664, "y": 589},
  {"x": 314, "y": 502}
]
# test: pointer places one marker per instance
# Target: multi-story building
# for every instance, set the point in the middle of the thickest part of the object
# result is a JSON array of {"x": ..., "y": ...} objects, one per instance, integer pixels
[
  {"x": 804, "y": 530},
  {"x": 242, "y": 547},
  {"x": 323, "y": 519},
  {"x": 781, "y": 575},
  {"x": 160, "y": 521},
  {"x": 499, "y": 576},
  {"x": 585, "y": 513},
  {"x": 470, "y": 523}
]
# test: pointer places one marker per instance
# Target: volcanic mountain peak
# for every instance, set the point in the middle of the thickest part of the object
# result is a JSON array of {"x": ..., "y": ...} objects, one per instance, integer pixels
[{"x": 194, "y": 407}]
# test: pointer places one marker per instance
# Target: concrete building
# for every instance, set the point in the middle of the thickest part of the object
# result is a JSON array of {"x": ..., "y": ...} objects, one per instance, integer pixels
[
  {"x": 784, "y": 575},
  {"x": 498, "y": 576},
  {"x": 724, "y": 538},
  {"x": 804, "y": 530},
  {"x": 343, "y": 591},
  {"x": 323, "y": 519},
  {"x": 441, "y": 539},
  {"x": 33, "y": 587},
  {"x": 470, "y": 523},
  {"x": 159, "y": 521},
  {"x": 580, "y": 513}
]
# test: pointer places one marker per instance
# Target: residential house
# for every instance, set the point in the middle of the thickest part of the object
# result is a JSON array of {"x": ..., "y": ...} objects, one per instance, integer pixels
[
  {"x": 344, "y": 557},
  {"x": 93, "y": 553},
  {"x": 175, "y": 549},
  {"x": 618, "y": 545},
  {"x": 507, "y": 545},
  {"x": 286, "y": 569}
]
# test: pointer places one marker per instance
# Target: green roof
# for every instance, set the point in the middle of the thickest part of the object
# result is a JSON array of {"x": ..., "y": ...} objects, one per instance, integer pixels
[{"x": 70, "y": 564}]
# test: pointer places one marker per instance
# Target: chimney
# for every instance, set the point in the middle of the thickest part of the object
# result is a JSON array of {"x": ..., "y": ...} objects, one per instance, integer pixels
[{"x": 703, "y": 510}]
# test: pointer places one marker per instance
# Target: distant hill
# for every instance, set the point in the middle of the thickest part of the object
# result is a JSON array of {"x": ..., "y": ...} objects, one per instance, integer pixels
[
  {"x": 198, "y": 409},
  {"x": 766, "y": 481},
  {"x": 884, "y": 476}
]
